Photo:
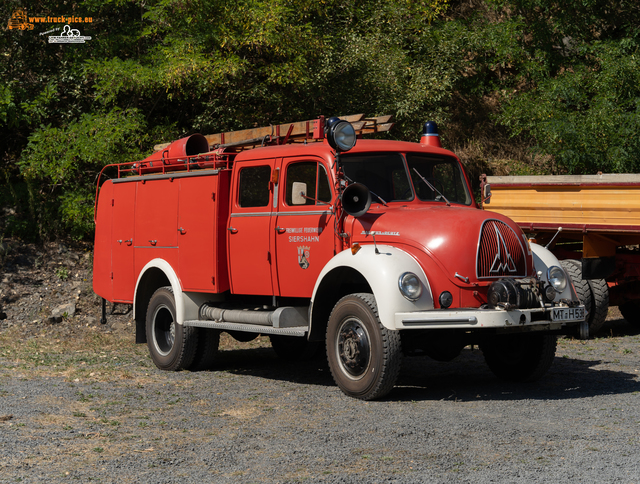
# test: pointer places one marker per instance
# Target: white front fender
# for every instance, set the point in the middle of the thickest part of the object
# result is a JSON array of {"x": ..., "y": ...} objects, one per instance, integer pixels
[
  {"x": 542, "y": 260},
  {"x": 382, "y": 271}
]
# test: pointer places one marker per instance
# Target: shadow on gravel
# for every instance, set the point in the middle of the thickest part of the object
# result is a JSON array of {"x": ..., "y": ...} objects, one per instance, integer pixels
[
  {"x": 263, "y": 363},
  {"x": 464, "y": 379},
  {"x": 617, "y": 328},
  {"x": 467, "y": 379}
]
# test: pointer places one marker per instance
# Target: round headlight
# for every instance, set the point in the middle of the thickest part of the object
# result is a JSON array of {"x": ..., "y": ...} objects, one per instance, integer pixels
[
  {"x": 340, "y": 134},
  {"x": 410, "y": 286},
  {"x": 557, "y": 278}
]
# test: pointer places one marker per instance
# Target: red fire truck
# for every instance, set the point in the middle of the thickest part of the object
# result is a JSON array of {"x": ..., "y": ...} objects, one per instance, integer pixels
[{"x": 315, "y": 236}]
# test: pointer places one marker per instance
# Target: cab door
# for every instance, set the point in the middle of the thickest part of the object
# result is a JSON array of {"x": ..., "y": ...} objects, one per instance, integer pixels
[
  {"x": 249, "y": 235},
  {"x": 304, "y": 231}
]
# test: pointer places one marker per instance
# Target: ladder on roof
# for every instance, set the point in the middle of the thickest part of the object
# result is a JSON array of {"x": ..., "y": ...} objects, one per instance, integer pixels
[{"x": 290, "y": 132}]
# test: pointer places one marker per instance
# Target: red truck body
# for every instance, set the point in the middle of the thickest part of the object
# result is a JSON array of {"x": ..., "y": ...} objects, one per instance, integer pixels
[{"x": 277, "y": 240}]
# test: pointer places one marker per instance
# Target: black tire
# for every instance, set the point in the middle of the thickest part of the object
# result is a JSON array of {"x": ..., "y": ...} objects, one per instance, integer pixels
[
  {"x": 364, "y": 357},
  {"x": 631, "y": 312},
  {"x": 600, "y": 295},
  {"x": 519, "y": 357},
  {"x": 294, "y": 348},
  {"x": 583, "y": 290},
  {"x": 172, "y": 346},
  {"x": 207, "y": 349}
]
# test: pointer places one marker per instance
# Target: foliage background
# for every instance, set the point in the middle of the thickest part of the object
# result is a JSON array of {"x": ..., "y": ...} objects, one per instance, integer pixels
[{"x": 517, "y": 86}]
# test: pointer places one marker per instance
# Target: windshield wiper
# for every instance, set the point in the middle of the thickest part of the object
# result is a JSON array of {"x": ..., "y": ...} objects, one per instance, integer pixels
[
  {"x": 432, "y": 187},
  {"x": 379, "y": 198}
]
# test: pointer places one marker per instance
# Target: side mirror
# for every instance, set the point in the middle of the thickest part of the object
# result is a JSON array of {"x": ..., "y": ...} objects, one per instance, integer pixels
[
  {"x": 486, "y": 194},
  {"x": 485, "y": 190},
  {"x": 299, "y": 195}
]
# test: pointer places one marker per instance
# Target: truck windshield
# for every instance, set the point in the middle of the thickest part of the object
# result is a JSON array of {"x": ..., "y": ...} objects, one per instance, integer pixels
[
  {"x": 444, "y": 174},
  {"x": 385, "y": 174}
]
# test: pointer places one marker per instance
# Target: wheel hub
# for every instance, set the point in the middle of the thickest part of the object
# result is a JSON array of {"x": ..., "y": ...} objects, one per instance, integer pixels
[
  {"x": 164, "y": 330},
  {"x": 353, "y": 348}
]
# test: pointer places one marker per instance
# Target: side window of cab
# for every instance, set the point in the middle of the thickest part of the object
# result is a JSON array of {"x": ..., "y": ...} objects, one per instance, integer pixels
[
  {"x": 253, "y": 189},
  {"x": 307, "y": 183}
]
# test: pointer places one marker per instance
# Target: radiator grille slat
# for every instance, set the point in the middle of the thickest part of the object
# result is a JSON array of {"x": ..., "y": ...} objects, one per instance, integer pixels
[{"x": 500, "y": 252}]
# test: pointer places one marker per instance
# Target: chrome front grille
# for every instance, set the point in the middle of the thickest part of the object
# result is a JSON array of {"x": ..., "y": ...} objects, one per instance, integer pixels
[{"x": 500, "y": 252}]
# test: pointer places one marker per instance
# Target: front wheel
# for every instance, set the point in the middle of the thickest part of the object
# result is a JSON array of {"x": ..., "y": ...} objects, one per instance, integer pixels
[
  {"x": 363, "y": 355},
  {"x": 172, "y": 346},
  {"x": 519, "y": 357}
]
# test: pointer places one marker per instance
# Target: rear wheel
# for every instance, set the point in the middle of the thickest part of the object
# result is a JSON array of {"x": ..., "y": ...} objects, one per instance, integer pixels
[
  {"x": 206, "y": 350},
  {"x": 172, "y": 346},
  {"x": 363, "y": 355},
  {"x": 519, "y": 357},
  {"x": 593, "y": 293},
  {"x": 600, "y": 295}
]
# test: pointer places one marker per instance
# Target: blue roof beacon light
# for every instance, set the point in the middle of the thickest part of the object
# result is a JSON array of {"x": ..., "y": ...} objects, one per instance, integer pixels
[{"x": 430, "y": 135}]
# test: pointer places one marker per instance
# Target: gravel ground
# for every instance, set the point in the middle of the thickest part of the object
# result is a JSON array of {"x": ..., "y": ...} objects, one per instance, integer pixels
[{"x": 79, "y": 402}]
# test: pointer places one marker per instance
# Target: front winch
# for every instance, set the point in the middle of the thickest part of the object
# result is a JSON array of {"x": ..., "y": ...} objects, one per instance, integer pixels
[{"x": 512, "y": 294}]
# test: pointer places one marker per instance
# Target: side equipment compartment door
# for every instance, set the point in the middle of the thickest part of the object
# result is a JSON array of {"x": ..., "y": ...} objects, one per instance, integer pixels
[{"x": 122, "y": 243}]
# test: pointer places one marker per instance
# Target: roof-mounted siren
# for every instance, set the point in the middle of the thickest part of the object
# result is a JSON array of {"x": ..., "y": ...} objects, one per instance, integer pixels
[
  {"x": 340, "y": 134},
  {"x": 430, "y": 135},
  {"x": 174, "y": 156}
]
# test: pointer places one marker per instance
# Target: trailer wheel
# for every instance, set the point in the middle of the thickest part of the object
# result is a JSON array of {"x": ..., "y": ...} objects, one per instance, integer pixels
[
  {"x": 206, "y": 350},
  {"x": 631, "y": 312},
  {"x": 294, "y": 348},
  {"x": 574, "y": 269},
  {"x": 600, "y": 294},
  {"x": 519, "y": 357},
  {"x": 363, "y": 355},
  {"x": 172, "y": 346}
]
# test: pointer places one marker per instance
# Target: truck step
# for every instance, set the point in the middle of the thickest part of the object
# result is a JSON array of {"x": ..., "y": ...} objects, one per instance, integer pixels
[{"x": 249, "y": 328}]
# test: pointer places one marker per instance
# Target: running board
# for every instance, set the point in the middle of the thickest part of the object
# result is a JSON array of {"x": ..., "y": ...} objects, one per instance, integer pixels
[{"x": 249, "y": 328}]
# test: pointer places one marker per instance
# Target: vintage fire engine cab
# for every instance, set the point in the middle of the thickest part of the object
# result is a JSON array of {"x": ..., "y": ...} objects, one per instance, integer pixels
[{"x": 312, "y": 235}]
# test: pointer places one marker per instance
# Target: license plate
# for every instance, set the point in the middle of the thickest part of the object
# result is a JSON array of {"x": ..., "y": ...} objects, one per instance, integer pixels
[{"x": 567, "y": 314}]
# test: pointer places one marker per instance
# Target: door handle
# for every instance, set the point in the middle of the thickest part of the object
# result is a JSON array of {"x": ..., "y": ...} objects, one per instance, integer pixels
[
  {"x": 182, "y": 231},
  {"x": 153, "y": 242},
  {"x": 232, "y": 230},
  {"x": 281, "y": 230}
]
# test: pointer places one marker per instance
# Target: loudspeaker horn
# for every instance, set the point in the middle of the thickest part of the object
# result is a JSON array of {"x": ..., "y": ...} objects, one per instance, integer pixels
[{"x": 356, "y": 199}]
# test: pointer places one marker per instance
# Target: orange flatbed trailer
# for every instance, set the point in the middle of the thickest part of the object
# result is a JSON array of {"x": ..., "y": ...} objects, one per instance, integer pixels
[{"x": 593, "y": 219}]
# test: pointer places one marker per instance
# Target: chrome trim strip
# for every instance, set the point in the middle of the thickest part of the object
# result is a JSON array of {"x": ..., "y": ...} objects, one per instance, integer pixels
[
  {"x": 316, "y": 212},
  {"x": 280, "y": 214},
  {"x": 468, "y": 320},
  {"x": 253, "y": 214}
]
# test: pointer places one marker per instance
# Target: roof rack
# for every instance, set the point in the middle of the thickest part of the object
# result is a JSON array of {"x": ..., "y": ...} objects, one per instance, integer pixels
[{"x": 301, "y": 131}]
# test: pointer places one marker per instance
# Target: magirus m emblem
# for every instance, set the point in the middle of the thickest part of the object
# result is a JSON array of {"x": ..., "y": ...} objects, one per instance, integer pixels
[{"x": 503, "y": 260}]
